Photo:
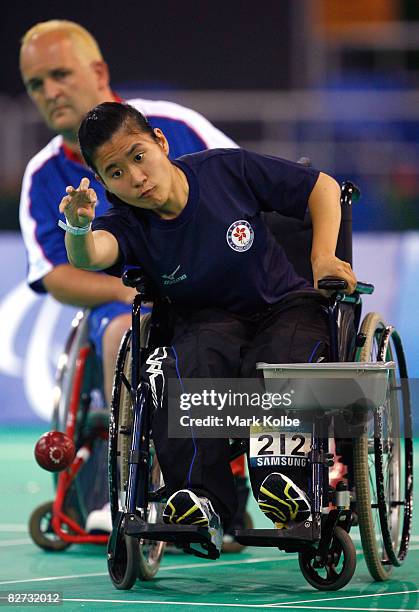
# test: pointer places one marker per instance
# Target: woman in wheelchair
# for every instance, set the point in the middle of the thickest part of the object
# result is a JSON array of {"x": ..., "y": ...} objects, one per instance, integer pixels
[{"x": 195, "y": 226}]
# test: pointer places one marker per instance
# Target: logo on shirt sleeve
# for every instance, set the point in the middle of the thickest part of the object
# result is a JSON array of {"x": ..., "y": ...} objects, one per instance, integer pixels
[{"x": 240, "y": 235}]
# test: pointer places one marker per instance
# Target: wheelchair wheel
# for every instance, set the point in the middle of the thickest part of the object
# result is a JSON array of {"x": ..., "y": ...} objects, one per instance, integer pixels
[
  {"x": 41, "y": 531},
  {"x": 339, "y": 567},
  {"x": 149, "y": 552},
  {"x": 383, "y": 460}
]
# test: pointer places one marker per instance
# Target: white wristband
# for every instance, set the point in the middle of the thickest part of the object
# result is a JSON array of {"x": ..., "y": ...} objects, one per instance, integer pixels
[{"x": 76, "y": 231}]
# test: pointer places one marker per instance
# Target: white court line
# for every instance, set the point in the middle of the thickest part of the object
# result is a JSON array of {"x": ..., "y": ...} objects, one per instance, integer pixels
[
  {"x": 229, "y": 605},
  {"x": 348, "y": 609},
  {"x": 14, "y": 527},
  {"x": 288, "y": 603},
  {"x": 54, "y": 578},
  {"x": 173, "y": 603},
  {"x": 164, "y": 568},
  {"x": 15, "y": 542}
]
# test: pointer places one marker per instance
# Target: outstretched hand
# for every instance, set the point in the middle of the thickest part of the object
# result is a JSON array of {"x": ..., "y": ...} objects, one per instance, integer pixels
[{"x": 79, "y": 204}]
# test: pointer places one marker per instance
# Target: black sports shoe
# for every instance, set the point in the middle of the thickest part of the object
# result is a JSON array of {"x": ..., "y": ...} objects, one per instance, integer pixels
[
  {"x": 185, "y": 508},
  {"x": 282, "y": 501}
]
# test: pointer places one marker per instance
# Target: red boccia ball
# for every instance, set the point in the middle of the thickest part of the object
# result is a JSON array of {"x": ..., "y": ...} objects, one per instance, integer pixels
[{"x": 54, "y": 451}]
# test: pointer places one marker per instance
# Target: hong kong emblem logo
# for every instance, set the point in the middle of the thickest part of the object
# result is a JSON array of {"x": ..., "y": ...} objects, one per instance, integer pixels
[{"x": 240, "y": 235}]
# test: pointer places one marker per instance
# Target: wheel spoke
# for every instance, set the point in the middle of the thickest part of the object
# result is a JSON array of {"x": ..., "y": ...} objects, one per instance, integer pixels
[{"x": 332, "y": 574}]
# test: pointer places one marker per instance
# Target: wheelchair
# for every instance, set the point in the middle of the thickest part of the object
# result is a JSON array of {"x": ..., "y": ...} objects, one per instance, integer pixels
[
  {"x": 78, "y": 411},
  {"x": 377, "y": 498}
]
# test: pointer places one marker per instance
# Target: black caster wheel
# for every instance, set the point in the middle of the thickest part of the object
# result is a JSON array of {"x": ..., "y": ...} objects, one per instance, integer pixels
[
  {"x": 123, "y": 564},
  {"x": 339, "y": 567}
]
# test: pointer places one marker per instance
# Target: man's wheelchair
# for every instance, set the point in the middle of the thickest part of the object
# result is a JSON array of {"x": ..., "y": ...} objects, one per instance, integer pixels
[
  {"x": 79, "y": 411},
  {"x": 377, "y": 497}
]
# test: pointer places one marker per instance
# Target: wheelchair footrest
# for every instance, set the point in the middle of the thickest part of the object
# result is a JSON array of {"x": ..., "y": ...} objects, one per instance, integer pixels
[
  {"x": 182, "y": 535},
  {"x": 286, "y": 539}
]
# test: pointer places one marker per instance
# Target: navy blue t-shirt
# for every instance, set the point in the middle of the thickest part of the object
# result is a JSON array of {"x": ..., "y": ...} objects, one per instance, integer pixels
[{"x": 218, "y": 252}]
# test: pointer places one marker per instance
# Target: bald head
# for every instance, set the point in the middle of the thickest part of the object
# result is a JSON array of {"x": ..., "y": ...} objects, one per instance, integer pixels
[
  {"x": 64, "y": 74},
  {"x": 83, "y": 42}
]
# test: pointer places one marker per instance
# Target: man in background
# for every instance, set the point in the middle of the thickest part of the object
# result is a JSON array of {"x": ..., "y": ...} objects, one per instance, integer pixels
[{"x": 65, "y": 75}]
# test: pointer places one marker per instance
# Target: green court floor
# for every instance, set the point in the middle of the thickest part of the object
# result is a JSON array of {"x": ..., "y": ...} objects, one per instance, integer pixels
[{"x": 256, "y": 578}]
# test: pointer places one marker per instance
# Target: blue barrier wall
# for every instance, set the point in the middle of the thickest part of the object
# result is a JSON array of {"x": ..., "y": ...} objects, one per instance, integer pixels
[{"x": 33, "y": 328}]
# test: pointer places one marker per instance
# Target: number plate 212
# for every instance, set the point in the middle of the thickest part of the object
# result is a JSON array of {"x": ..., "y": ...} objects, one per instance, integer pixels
[{"x": 280, "y": 444}]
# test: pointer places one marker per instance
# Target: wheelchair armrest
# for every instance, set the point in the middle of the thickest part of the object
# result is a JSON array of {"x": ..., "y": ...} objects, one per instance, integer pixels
[
  {"x": 133, "y": 277},
  {"x": 332, "y": 283},
  {"x": 137, "y": 279}
]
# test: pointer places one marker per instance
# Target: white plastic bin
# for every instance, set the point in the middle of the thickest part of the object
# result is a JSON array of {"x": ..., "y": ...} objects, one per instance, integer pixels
[{"x": 330, "y": 386}]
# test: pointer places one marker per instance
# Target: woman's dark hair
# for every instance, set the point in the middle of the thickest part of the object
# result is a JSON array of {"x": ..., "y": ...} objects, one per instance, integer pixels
[{"x": 101, "y": 123}]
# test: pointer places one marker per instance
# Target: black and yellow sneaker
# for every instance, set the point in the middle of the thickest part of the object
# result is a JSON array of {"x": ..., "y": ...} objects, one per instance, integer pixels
[
  {"x": 185, "y": 508},
  {"x": 282, "y": 501}
]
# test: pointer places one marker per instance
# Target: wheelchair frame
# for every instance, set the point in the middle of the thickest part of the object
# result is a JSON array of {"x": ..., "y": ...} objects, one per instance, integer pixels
[{"x": 320, "y": 543}]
